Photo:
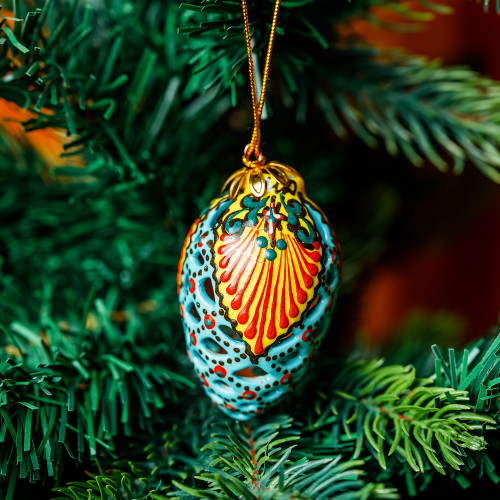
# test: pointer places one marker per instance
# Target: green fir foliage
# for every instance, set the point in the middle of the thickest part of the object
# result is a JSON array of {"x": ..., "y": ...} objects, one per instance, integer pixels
[
  {"x": 415, "y": 107},
  {"x": 124, "y": 481},
  {"x": 387, "y": 410},
  {"x": 242, "y": 461},
  {"x": 153, "y": 98},
  {"x": 477, "y": 371},
  {"x": 67, "y": 395},
  {"x": 271, "y": 471}
]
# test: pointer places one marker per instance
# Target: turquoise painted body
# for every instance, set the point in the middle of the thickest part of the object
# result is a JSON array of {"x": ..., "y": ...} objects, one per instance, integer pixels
[{"x": 237, "y": 386}]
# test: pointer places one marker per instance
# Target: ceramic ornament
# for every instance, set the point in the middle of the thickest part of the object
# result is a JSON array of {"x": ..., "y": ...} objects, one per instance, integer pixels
[{"x": 258, "y": 275}]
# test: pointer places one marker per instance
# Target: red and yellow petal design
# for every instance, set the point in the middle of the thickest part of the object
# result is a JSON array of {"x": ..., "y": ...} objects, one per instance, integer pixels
[{"x": 266, "y": 277}]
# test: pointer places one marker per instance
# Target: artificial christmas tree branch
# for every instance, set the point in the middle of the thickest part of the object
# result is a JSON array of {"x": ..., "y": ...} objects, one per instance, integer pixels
[
  {"x": 453, "y": 108},
  {"x": 66, "y": 394},
  {"x": 410, "y": 104},
  {"x": 392, "y": 410},
  {"x": 92, "y": 362}
]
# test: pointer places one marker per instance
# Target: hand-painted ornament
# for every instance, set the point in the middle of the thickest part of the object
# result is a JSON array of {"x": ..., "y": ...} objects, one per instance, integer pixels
[{"x": 258, "y": 274}]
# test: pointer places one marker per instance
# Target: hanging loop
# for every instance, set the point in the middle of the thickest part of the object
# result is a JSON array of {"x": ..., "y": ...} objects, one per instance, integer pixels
[
  {"x": 259, "y": 159},
  {"x": 258, "y": 106}
]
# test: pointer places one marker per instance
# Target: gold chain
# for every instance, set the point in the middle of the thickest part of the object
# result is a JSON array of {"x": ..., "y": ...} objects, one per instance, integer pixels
[{"x": 254, "y": 146}]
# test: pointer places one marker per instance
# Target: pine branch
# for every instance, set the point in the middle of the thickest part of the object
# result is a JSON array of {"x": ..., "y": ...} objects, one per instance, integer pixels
[
  {"x": 239, "y": 459},
  {"x": 124, "y": 481},
  {"x": 414, "y": 107},
  {"x": 411, "y": 427},
  {"x": 90, "y": 70},
  {"x": 148, "y": 474},
  {"x": 391, "y": 409},
  {"x": 419, "y": 109},
  {"x": 68, "y": 389},
  {"x": 268, "y": 465},
  {"x": 476, "y": 370}
]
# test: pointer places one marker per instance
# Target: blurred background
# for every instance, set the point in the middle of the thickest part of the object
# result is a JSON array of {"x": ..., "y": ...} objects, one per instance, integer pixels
[
  {"x": 159, "y": 120},
  {"x": 450, "y": 262}
]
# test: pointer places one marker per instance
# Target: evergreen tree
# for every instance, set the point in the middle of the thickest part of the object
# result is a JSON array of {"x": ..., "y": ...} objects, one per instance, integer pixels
[{"x": 134, "y": 112}]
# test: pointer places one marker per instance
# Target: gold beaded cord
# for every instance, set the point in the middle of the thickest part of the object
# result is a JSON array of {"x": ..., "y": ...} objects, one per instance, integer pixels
[
  {"x": 254, "y": 146},
  {"x": 255, "y": 169}
]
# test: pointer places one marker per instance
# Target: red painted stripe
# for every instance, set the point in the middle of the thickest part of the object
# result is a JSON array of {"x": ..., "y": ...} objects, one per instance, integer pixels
[
  {"x": 308, "y": 281},
  {"x": 226, "y": 275},
  {"x": 312, "y": 268},
  {"x": 301, "y": 295},
  {"x": 234, "y": 244},
  {"x": 251, "y": 329},
  {"x": 293, "y": 310},
  {"x": 243, "y": 314},
  {"x": 233, "y": 286},
  {"x": 269, "y": 282},
  {"x": 236, "y": 302},
  {"x": 283, "y": 316}
]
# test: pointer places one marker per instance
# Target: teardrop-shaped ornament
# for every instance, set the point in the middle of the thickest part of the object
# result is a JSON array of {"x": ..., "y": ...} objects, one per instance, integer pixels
[{"x": 258, "y": 276}]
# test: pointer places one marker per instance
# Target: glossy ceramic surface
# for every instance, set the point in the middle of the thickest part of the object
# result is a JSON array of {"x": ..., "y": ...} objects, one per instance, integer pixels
[{"x": 257, "y": 279}]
